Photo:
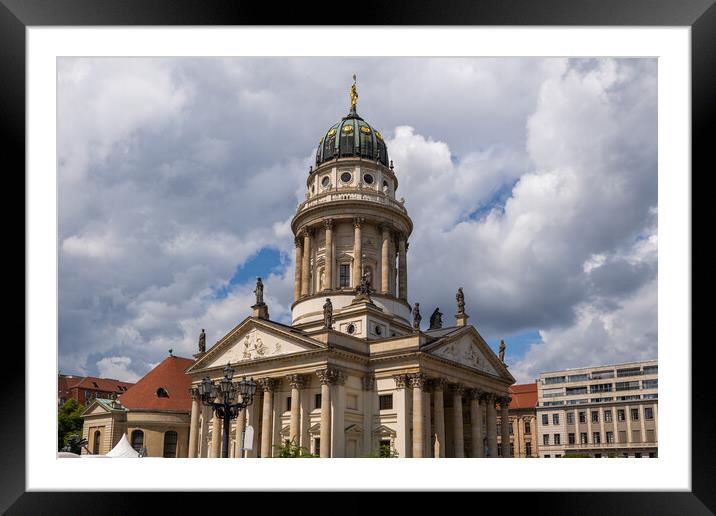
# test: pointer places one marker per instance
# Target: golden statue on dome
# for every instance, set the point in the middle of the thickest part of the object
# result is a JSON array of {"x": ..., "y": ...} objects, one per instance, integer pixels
[{"x": 354, "y": 94}]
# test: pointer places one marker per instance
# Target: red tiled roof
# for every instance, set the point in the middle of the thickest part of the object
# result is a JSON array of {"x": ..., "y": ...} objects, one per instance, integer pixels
[
  {"x": 169, "y": 374},
  {"x": 101, "y": 384},
  {"x": 523, "y": 396}
]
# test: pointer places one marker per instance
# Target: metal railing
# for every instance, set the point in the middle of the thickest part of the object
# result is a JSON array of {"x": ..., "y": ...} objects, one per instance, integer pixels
[{"x": 350, "y": 194}]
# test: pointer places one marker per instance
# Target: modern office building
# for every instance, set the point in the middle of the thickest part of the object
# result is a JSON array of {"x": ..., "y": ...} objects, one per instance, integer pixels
[{"x": 602, "y": 411}]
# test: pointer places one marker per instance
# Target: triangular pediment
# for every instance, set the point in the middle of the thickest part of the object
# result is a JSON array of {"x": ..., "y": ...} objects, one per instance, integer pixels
[
  {"x": 255, "y": 339},
  {"x": 469, "y": 349},
  {"x": 95, "y": 409}
]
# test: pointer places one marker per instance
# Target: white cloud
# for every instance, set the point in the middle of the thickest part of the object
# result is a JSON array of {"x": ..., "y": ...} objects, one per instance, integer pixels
[{"x": 117, "y": 368}]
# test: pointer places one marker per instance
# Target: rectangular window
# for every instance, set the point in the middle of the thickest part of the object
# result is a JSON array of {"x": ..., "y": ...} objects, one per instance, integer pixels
[
  {"x": 635, "y": 414},
  {"x": 601, "y": 387},
  {"x": 546, "y": 456},
  {"x": 344, "y": 275},
  {"x": 545, "y": 419},
  {"x": 570, "y": 418},
  {"x": 555, "y": 419},
  {"x": 596, "y": 437},
  {"x": 570, "y": 438},
  {"x": 511, "y": 432},
  {"x": 554, "y": 379},
  {"x": 650, "y": 436},
  {"x": 578, "y": 378},
  {"x": 651, "y": 369},
  {"x": 602, "y": 375},
  {"x": 557, "y": 439},
  {"x": 498, "y": 428},
  {"x": 627, "y": 386},
  {"x": 607, "y": 416},
  {"x": 633, "y": 371},
  {"x": 636, "y": 436},
  {"x": 583, "y": 438},
  {"x": 620, "y": 415},
  {"x": 637, "y": 455},
  {"x": 597, "y": 455},
  {"x": 385, "y": 401},
  {"x": 649, "y": 384},
  {"x": 595, "y": 416},
  {"x": 572, "y": 391},
  {"x": 610, "y": 437},
  {"x": 317, "y": 401},
  {"x": 622, "y": 436},
  {"x": 527, "y": 428},
  {"x": 545, "y": 439},
  {"x": 582, "y": 417},
  {"x": 288, "y": 404},
  {"x": 648, "y": 413},
  {"x": 528, "y": 449},
  {"x": 317, "y": 445}
]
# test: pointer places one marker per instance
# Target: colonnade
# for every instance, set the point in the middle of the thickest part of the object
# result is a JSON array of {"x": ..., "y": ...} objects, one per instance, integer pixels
[
  {"x": 392, "y": 260},
  {"x": 425, "y": 432}
]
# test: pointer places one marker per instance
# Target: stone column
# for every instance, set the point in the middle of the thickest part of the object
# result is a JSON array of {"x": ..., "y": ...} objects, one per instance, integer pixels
[
  {"x": 215, "y": 436},
  {"x": 505, "y": 425},
  {"x": 357, "y": 251},
  {"x": 385, "y": 261},
  {"x": 240, "y": 425},
  {"x": 297, "y": 282},
  {"x": 491, "y": 425},
  {"x": 194, "y": 425},
  {"x": 417, "y": 382},
  {"x": 326, "y": 377},
  {"x": 328, "y": 223},
  {"x": 296, "y": 381},
  {"x": 401, "y": 405},
  {"x": 457, "y": 391},
  {"x": 403, "y": 268},
  {"x": 438, "y": 390},
  {"x": 306, "y": 265},
  {"x": 204, "y": 451},
  {"x": 267, "y": 385},
  {"x": 478, "y": 450}
]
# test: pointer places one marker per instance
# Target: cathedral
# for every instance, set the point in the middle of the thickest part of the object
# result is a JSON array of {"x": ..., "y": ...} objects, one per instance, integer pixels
[{"x": 355, "y": 373}]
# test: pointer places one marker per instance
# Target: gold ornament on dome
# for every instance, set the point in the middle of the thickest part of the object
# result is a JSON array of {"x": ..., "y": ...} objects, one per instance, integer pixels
[
  {"x": 331, "y": 132},
  {"x": 347, "y": 129},
  {"x": 377, "y": 133},
  {"x": 354, "y": 94},
  {"x": 364, "y": 130}
]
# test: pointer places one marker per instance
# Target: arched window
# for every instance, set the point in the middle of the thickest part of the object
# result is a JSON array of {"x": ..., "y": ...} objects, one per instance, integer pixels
[
  {"x": 170, "y": 444},
  {"x": 95, "y": 444},
  {"x": 137, "y": 440}
]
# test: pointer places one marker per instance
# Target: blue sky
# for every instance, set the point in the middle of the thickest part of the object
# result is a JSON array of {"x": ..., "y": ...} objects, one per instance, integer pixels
[{"x": 531, "y": 182}]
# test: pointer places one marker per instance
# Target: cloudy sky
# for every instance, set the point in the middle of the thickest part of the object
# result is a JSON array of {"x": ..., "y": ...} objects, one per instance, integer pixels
[{"x": 532, "y": 184}]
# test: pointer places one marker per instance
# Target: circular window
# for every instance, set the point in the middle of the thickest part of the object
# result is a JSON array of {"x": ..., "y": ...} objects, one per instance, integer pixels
[
  {"x": 385, "y": 184},
  {"x": 326, "y": 181},
  {"x": 378, "y": 331},
  {"x": 351, "y": 329},
  {"x": 368, "y": 179},
  {"x": 346, "y": 177}
]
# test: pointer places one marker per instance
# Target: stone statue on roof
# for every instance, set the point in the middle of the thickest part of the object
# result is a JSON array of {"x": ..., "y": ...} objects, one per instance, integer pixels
[
  {"x": 259, "y": 292},
  {"x": 460, "y": 298},
  {"x": 416, "y": 317},
  {"x": 328, "y": 313},
  {"x": 202, "y": 341},
  {"x": 502, "y": 351},
  {"x": 436, "y": 320}
]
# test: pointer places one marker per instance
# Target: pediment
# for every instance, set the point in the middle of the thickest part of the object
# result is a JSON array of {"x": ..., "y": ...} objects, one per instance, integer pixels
[
  {"x": 254, "y": 340},
  {"x": 468, "y": 349},
  {"x": 95, "y": 409}
]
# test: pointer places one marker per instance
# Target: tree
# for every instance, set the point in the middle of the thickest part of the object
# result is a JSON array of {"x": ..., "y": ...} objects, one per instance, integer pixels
[
  {"x": 291, "y": 450},
  {"x": 384, "y": 452},
  {"x": 69, "y": 421}
]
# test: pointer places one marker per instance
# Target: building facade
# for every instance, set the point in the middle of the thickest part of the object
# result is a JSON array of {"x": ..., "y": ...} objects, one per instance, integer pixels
[
  {"x": 523, "y": 422},
  {"x": 86, "y": 389},
  {"x": 154, "y": 414},
  {"x": 605, "y": 411},
  {"x": 355, "y": 371}
]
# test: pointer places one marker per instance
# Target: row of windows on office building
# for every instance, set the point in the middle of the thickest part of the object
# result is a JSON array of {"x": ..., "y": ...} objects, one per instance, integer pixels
[
  {"x": 603, "y": 375},
  {"x": 597, "y": 437},
  {"x": 582, "y": 416},
  {"x": 633, "y": 397}
]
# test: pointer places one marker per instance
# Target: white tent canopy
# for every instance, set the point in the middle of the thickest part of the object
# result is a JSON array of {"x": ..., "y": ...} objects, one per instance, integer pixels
[{"x": 123, "y": 450}]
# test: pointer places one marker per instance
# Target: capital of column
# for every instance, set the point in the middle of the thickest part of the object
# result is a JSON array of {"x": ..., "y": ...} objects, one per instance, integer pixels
[
  {"x": 307, "y": 232},
  {"x": 267, "y": 384},
  {"x": 298, "y": 241},
  {"x": 474, "y": 394},
  {"x": 358, "y": 221},
  {"x": 401, "y": 380},
  {"x": 369, "y": 383},
  {"x": 504, "y": 401},
  {"x": 438, "y": 384},
  {"x": 328, "y": 223},
  {"x": 457, "y": 388},
  {"x": 297, "y": 381},
  {"x": 488, "y": 398},
  {"x": 384, "y": 226},
  {"x": 194, "y": 393},
  {"x": 417, "y": 380},
  {"x": 331, "y": 376}
]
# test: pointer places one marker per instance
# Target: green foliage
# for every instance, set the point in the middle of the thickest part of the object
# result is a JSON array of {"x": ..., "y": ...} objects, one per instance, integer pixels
[
  {"x": 576, "y": 456},
  {"x": 384, "y": 452},
  {"x": 291, "y": 450},
  {"x": 69, "y": 421}
]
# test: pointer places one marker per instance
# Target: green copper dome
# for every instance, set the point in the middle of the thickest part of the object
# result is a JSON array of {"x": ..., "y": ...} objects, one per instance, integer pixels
[{"x": 352, "y": 137}]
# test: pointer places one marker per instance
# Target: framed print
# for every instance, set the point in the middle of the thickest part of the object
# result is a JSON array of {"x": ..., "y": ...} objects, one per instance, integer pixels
[{"x": 457, "y": 234}]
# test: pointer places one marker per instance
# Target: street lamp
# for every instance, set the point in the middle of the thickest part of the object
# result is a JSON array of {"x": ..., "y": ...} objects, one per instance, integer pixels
[{"x": 226, "y": 391}]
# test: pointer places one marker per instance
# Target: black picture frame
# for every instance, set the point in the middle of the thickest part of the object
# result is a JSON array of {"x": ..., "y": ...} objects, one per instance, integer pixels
[{"x": 699, "y": 15}]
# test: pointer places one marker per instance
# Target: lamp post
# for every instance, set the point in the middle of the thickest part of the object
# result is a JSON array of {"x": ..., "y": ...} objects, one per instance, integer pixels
[{"x": 225, "y": 409}]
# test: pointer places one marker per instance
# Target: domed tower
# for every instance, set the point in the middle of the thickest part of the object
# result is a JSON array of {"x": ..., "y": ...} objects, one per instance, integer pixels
[{"x": 351, "y": 233}]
